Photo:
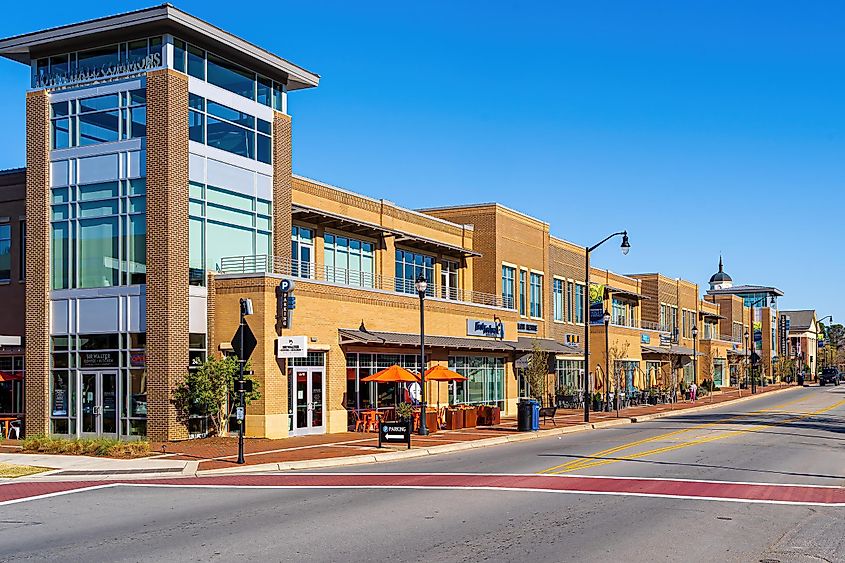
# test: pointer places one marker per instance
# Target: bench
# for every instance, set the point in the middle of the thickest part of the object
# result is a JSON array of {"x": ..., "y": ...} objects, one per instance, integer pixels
[{"x": 548, "y": 412}]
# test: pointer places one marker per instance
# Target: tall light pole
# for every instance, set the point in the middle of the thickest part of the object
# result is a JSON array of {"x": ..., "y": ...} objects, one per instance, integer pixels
[
  {"x": 626, "y": 246},
  {"x": 747, "y": 360},
  {"x": 695, "y": 355},
  {"x": 246, "y": 309},
  {"x": 607, "y": 359},
  {"x": 422, "y": 285}
]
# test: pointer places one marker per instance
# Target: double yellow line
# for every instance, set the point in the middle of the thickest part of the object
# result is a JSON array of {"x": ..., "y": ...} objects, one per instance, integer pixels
[{"x": 595, "y": 460}]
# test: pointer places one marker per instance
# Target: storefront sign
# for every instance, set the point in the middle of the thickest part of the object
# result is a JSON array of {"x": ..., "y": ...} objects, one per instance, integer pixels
[
  {"x": 645, "y": 338},
  {"x": 528, "y": 328},
  {"x": 98, "y": 359},
  {"x": 490, "y": 329},
  {"x": 394, "y": 433},
  {"x": 596, "y": 304},
  {"x": 665, "y": 339},
  {"x": 783, "y": 329},
  {"x": 137, "y": 359},
  {"x": 107, "y": 71},
  {"x": 59, "y": 402},
  {"x": 292, "y": 347}
]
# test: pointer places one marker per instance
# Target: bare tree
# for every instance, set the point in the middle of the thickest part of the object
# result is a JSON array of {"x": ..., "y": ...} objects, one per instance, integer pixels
[{"x": 537, "y": 372}]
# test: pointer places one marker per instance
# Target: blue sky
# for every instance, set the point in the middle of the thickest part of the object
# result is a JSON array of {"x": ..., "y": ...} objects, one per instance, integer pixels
[{"x": 700, "y": 127}]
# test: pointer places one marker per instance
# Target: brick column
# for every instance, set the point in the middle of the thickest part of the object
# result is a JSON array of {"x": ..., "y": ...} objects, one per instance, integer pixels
[
  {"x": 167, "y": 248},
  {"x": 37, "y": 353},
  {"x": 282, "y": 185}
]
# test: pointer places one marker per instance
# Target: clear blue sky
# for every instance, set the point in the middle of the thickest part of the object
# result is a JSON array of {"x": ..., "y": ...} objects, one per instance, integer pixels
[{"x": 701, "y": 127}]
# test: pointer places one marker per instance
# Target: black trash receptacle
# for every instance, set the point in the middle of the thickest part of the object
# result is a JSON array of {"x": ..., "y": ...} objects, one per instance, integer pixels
[
  {"x": 524, "y": 415},
  {"x": 801, "y": 379}
]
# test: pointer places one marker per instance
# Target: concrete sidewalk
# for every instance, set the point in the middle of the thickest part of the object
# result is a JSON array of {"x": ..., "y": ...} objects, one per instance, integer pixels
[{"x": 217, "y": 455}]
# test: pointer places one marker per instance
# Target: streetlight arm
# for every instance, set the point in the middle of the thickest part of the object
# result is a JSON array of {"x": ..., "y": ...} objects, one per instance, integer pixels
[{"x": 595, "y": 246}]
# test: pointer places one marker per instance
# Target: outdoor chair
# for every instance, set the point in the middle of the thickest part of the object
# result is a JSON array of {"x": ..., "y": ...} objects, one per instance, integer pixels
[{"x": 14, "y": 427}]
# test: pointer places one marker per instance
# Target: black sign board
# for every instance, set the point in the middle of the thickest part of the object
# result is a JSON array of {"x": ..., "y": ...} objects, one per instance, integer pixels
[
  {"x": 394, "y": 433},
  {"x": 98, "y": 359},
  {"x": 244, "y": 385},
  {"x": 249, "y": 342}
]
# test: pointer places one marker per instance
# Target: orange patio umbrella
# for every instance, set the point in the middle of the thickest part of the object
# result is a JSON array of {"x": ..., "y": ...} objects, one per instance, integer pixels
[
  {"x": 4, "y": 377},
  {"x": 440, "y": 373},
  {"x": 393, "y": 374}
]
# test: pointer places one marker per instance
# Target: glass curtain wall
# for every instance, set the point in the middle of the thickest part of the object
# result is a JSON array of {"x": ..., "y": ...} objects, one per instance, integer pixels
[{"x": 485, "y": 384}]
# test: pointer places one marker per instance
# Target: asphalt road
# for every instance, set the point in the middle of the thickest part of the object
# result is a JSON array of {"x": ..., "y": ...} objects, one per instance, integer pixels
[{"x": 795, "y": 437}]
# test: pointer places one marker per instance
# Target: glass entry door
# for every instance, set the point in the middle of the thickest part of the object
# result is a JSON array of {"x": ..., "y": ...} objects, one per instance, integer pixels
[
  {"x": 306, "y": 401},
  {"x": 98, "y": 409}
]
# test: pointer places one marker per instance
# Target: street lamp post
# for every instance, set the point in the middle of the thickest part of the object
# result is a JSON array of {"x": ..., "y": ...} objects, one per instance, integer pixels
[
  {"x": 695, "y": 355},
  {"x": 625, "y": 246},
  {"x": 422, "y": 286},
  {"x": 607, "y": 359},
  {"x": 246, "y": 309},
  {"x": 747, "y": 362}
]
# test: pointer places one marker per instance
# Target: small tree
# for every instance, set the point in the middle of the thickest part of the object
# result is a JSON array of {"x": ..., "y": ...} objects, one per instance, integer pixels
[
  {"x": 537, "y": 371},
  {"x": 705, "y": 363},
  {"x": 206, "y": 390}
]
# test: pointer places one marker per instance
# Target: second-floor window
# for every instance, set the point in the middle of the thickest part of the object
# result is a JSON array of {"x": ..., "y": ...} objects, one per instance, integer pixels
[
  {"x": 229, "y": 129},
  {"x": 302, "y": 252},
  {"x": 508, "y": 282},
  {"x": 536, "y": 295},
  {"x": 623, "y": 312},
  {"x": 409, "y": 266},
  {"x": 349, "y": 261},
  {"x": 570, "y": 295},
  {"x": 523, "y": 282},
  {"x": 668, "y": 318},
  {"x": 579, "y": 303},
  {"x": 449, "y": 280},
  {"x": 5, "y": 252},
  {"x": 557, "y": 290}
]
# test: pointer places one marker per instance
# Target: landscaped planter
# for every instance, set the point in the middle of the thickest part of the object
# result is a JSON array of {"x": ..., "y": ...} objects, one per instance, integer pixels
[
  {"x": 454, "y": 419},
  {"x": 470, "y": 418}
]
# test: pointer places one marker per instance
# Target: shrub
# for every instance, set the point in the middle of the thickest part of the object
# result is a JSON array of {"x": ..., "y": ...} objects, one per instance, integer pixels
[{"x": 101, "y": 447}]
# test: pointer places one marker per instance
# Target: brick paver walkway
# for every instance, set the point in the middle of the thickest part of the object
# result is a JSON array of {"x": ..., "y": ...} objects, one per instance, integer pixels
[{"x": 221, "y": 452}]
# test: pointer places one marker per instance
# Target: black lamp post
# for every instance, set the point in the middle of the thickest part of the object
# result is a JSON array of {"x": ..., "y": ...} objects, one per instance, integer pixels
[
  {"x": 625, "y": 246},
  {"x": 246, "y": 309},
  {"x": 747, "y": 360},
  {"x": 607, "y": 359},
  {"x": 695, "y": 354},
  {"x": 422, "y": 286}
]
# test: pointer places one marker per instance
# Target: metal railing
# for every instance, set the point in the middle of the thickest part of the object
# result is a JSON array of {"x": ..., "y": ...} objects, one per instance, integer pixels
[{"x": 263, "y": 263}]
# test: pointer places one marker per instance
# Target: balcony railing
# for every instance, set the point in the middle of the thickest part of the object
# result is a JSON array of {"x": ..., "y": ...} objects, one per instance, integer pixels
[
  {"x": 262, "y": 263},
  {"x": 634, "y": 323}
]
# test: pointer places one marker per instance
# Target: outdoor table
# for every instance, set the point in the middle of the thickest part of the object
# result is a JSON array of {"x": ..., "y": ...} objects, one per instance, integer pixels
[{"x": 4, "y": 425}]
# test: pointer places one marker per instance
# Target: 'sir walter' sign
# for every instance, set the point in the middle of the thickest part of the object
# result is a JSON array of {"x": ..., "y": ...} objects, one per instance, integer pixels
[{"x": 292, "y": 347}]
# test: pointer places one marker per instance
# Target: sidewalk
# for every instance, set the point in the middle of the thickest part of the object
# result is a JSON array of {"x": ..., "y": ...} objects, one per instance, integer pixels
[{"x": 218, "y": 455}]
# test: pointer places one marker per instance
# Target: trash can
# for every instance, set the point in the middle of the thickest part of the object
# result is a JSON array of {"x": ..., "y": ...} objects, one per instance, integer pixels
[
  {"x": 535, "y": 415},
  {"x": 524, "y": 415},
  {"x": 801, "y": 380}
]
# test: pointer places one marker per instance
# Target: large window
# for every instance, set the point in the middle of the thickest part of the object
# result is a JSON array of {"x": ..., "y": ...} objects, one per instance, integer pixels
[
  {"x": 449, "y": 280},
  {"x": 349, "y": 261},
  {"x": 229, "y": 129},
  {"x": 523, "y": 283},
  {"x": 508, "y": 281},
  {"x": 569, "y": 375},
  {"x": 409, "y": 266},
  {"x": 5, "y": 252},
  {"x": 302, "y": 252},
  {"x": 570, "y": 296},
  {"x": 625, "y": 371},
  {"x": 99, "y": 119},
  {"x": 22, "y": 254},
  {"x": 624, "y": 312},
  {"x": 99, "y": 234},
  {"x": 227, "y": 75},
  {"x": 363, "y": 395},
  {"x": 224, "y": 223},
  {"x": 668, "y": 318},
  {"x": 11, "y": 390},
  {"x": 536, "y": 308},
  {"x": 579, "y": 303},
  {"x": 557, "y": 301},
  {"x": 485, "y": 382}
]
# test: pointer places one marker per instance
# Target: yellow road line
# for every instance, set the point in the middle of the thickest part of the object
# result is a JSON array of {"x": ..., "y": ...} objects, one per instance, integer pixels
[
  {"x": 573, "y": 464},
  {"x": 598, "y": 463}
]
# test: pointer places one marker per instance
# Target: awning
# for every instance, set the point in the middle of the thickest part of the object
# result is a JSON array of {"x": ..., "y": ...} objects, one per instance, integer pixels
[
  {"x": 625, "y": 292},
  {"x": 524, "y": 345},
  {"x": 669, "y": 350},
  {"x": 708, "y": 315},
  {"x": 356, "y": 226}
]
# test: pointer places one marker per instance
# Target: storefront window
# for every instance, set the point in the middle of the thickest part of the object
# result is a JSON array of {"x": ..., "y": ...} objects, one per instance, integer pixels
[
  {"x": 626, "y": 372},
  {"x": 363, "y": 395},
  {"x": 569, "y": 375},
  {"x": 485, "y": 382},
  {"x": 11, "y": 391}
]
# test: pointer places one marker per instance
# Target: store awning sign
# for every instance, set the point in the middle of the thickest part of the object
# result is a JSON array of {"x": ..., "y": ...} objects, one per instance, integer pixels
[
  {"x": 292, "y": 347},
  {"x": 490, "y": 329},
  {"x": 98, "y": 359}
]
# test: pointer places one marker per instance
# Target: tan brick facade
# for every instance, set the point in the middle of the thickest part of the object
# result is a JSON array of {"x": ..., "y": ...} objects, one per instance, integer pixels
[
  {"x": 282, "y": 184},
  {"x": 167, "y": 248},
  {"x": 37, "y": 262}
]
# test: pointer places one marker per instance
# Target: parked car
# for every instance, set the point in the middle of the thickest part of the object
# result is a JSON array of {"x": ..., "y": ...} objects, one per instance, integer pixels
[{"x": 829, "y": 375}]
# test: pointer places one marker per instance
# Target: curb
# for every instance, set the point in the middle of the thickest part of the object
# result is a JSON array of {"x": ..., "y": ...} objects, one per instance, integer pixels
[{"x": 464, "y": 446}]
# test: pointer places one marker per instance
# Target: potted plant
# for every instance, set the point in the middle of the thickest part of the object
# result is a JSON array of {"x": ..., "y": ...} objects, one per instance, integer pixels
[
  {"x": 404, "y": 412},
  {"x": 597, "y": 400}
]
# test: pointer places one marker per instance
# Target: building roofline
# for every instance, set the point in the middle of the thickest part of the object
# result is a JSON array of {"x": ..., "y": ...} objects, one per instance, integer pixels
[
  {"x": 480, "y": 205},
  {"x": 19, "y": 47},
  {"x": 385, "y": 201}
]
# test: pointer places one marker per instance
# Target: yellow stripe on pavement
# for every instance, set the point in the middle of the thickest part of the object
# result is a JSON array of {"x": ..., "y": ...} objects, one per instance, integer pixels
[
  {"x": 574, "y": 464},
  {"x": 664, "y": 449}
]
